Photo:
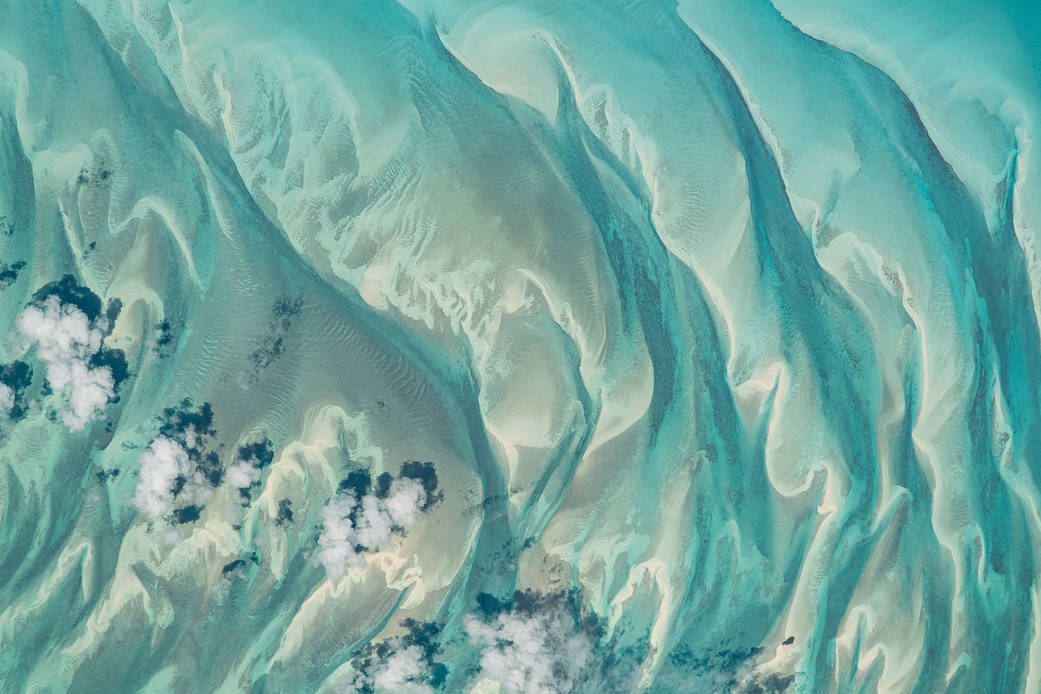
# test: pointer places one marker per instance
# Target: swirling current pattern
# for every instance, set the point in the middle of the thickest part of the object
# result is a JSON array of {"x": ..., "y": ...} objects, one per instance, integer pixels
[{"x": 521, "y": 347}]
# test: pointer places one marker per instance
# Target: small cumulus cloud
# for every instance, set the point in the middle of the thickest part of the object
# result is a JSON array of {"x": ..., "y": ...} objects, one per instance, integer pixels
[
  {"x": 337, "y": 540},
  {"x": 401, "y": 665},
  {"x": 404, "y": 504},
  {"x": 179, "y": 472},
  {"x": 242, "y": 475},
  {"x": 245, "y": 473},
  {"x": 356, "y": 521},
  {"x": 161, "y": 464},
  {"x": 6, "y": 401},
  {"x": 537, "y": 652},
  {"x": 400, "y": 672},
  {"x": 68, "y": 337}
]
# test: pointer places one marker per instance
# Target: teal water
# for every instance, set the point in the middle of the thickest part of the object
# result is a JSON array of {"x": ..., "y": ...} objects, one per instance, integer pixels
[{"x": 520, "y": 347}]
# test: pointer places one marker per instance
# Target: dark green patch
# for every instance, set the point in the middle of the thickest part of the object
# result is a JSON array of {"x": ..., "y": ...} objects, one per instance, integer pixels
[
  {"x": 383, "y": 485},
  {"x": 210, "y": 467},
  {"x": 266, "y": 354},
  {"x": 272, "y": 345},
  {"x": 180, "y": 419},
  {"x": 106, "y": 475},
  {"x": 438, "y": 675},
  {"x": 17, "y": 376},
  {"x": 422, "y": 634},
  {"x": 285, "y": 513},
  {"x": 163, "y": 331},
  {"x": 358, "y": 482},
  {"x": 94, "y": 179},
  {"x": 231, "y": 566},
  {"x": 112, "y": 311},
  {"x": 488, "y": 605},
  {"x": 69, "y": 291},
  {"x": 9, "y": 274},
  {"x": 186, "y": 514},
  {"x": 260, "y": 453},
  {"x": 178, "y": 485},
  {"x": 285, "y": 309}
]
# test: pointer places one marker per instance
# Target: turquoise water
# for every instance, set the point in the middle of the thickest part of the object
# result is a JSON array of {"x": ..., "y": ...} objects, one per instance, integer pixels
[{"x": 519, "y": 347}]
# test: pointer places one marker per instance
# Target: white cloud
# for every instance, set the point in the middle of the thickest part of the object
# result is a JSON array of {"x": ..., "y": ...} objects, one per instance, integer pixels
[
  {"x": 336, "y": 543},
  {"x": 398, "y": 671},
  {"x": 374, "y": 522},
  {"x": 197, "y": 490},
  {"x": 6, "y": 400},
  {"x": 90, "y": 391},
  {"x": 531, "y": 653},
  {"x": 191, "y": 437},
  {"x": 161, "y": 463},
  {"x": 65, "y": 341},
  {"x": 242, "y": 474},
  {"x": 405, "y": 501},
  {"x": 402, "y": 672}
]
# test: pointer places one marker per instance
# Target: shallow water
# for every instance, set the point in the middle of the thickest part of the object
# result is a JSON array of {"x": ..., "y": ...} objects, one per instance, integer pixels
[{"x": 716, "y": 322}]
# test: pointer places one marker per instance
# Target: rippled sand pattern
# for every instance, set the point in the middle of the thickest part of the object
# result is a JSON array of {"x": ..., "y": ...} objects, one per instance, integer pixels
[{"x": 520, "y": 347}]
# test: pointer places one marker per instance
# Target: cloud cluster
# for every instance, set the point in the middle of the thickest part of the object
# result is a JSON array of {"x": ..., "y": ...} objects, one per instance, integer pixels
[
  {"x": 244, "y": 474},
  {"x": 403, "y": 672},
  {"x": 536, "y": 652},
  {"x": 170, "y": 477},
  {"x": 68, "y": 342},
  {"x": 353, "y": 524},
  {"x": 15, "y": 379},
  {"x": 161, "y": 464},
  {"x": 178, "y": 473},
  {"x": 6, "y": 400},
  {"x": 400, "y": 665}
]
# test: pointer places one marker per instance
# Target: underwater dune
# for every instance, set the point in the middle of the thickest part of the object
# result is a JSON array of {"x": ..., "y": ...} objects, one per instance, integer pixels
[{"x": 519, "y": 347}]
